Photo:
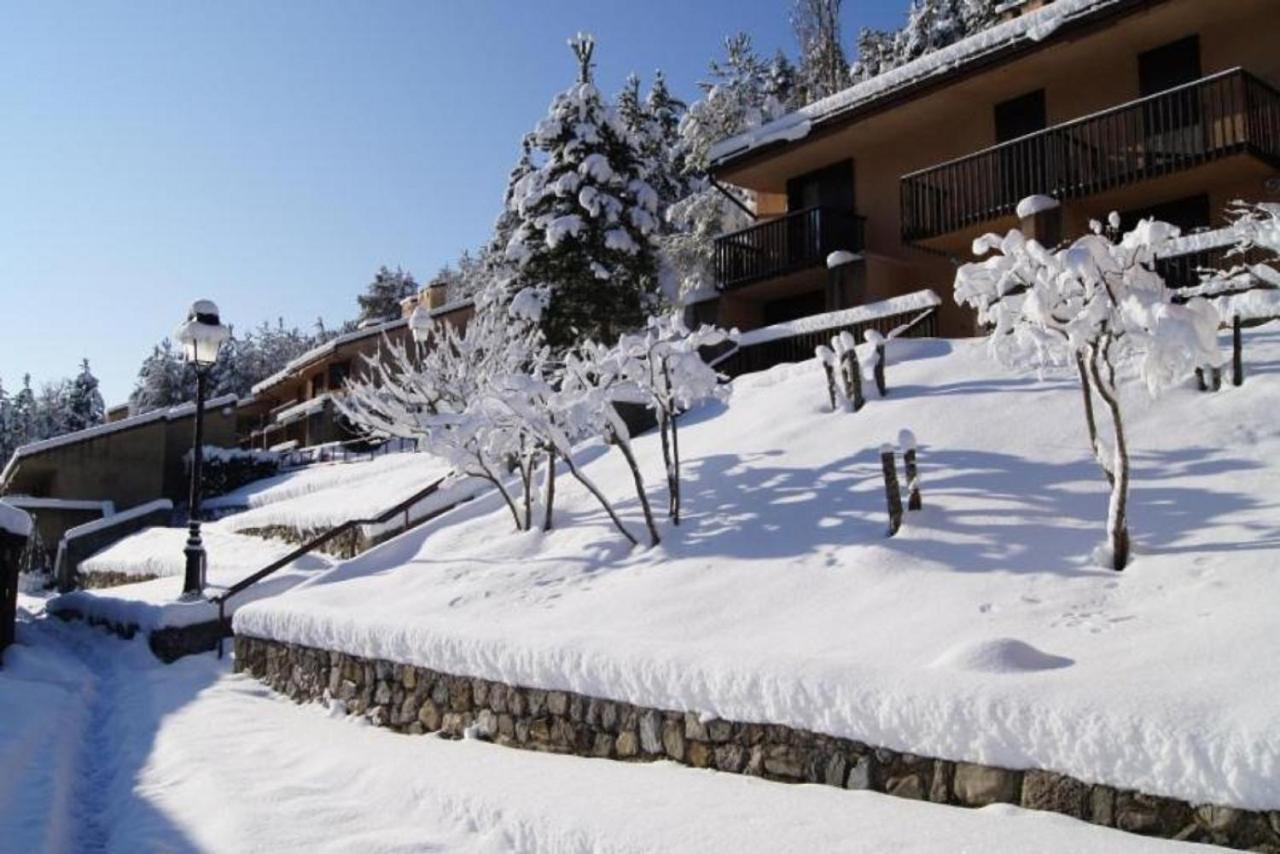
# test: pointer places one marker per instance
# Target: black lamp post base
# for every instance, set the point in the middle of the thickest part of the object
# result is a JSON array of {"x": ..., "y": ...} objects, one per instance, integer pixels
[{"x": 193, "y": 578}]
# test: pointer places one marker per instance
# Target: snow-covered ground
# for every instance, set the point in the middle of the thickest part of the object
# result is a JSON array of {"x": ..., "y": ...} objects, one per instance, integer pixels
[
  {"x": 158, "y": 552},
  {"x": 982, "y": 632},
  {"x": 103, "y": 748}
]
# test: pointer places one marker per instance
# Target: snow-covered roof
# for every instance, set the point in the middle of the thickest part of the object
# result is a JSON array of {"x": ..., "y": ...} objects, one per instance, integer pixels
[
  {"x": 13, "y": 520},
  {"x": 1032, "y": 27},
  {"x": 302, "y": 410},
  {"x": 110, "y": 427},
  {"x": 331, "y": 346}
]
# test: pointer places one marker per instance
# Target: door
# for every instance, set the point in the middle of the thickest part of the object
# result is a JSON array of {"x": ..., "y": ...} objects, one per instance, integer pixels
[
  {"x": 1022, "y": 171},
  {"x": 1172, "y": 122},
  {"x": 828, "y": 196}
]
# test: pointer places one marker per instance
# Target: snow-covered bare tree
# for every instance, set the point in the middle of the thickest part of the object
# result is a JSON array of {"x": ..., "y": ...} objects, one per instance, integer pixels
[
  {"x": 1098, "y": 306},
  {"x": 1246, "y": 293},
  {"x": 823, "y": 67},
  {"x": 585, "y": 218},
  {"x": 664, "y": 365}
]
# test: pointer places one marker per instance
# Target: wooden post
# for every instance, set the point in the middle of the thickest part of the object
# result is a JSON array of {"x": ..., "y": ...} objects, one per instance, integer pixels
[
  {"x": 1237, "y": 354},
  {"x": 907, "y": 440},
  {"x": 827, "y": 358},
  {"x": 852, "y": 378},
  {"x": 892, "y": 494},
  {"x": 11, "y": 548},
  {"x": 1200, "y": 383},
  {"x": 876, "y": 340},
  {"x": 1217, "y": 378}
]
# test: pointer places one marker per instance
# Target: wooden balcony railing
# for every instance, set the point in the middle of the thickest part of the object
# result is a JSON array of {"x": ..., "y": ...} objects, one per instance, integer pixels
[
  {"x": 1227, "y": 113},
  {"x": 793, "y": 242}
]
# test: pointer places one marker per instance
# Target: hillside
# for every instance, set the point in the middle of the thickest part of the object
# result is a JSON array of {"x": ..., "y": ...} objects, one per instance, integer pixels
[{"x": 982, "y": 632}]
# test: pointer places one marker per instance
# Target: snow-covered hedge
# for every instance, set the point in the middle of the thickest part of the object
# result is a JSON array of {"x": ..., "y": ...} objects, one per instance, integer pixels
[{"x": 226, "y": 469}]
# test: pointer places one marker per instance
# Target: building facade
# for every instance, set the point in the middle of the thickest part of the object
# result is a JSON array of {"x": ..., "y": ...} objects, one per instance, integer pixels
[{"x": 1143, "y": 107}]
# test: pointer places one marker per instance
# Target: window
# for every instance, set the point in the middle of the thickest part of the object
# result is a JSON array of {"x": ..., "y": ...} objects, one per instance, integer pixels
[
  {"x": 1022, "y": 166},
  {"x": 1168, "y": 66}
]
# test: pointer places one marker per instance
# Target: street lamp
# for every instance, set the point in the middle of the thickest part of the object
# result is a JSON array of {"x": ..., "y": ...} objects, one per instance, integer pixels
[{"x": 200, "y": 337}]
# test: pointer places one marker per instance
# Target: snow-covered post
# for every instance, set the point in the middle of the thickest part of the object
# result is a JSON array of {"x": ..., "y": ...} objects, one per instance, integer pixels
[
  {"x": 892, "y": 492},
  {"x": 876, "y": 340},
  {"x": 850, "y": 371},
  {"x": 827, "y": 359},
  {"x": 907, "y": 441}
]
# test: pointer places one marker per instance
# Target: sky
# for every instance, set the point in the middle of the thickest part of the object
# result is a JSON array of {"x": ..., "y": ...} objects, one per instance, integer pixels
[{"x": 272, "y": 155}]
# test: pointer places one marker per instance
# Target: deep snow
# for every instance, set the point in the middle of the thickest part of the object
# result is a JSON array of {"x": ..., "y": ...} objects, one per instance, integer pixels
[
  {"x": 113, "y": 751},
  {"x": 982, "y": 632}
]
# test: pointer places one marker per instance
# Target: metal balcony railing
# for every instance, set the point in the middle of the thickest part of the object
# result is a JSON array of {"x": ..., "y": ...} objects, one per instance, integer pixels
[
  {"x": 1227, "y": 113},
  {"x": 790, "y": 243}
]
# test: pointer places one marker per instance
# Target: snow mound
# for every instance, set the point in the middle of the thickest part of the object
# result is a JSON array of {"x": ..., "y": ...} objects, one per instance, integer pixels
[{"x": 1002, "y": 655}]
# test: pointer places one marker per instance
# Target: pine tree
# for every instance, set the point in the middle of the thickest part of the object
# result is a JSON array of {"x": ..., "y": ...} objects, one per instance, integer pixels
[
  {"x": 381, "y": 299},
  {"x": 84, "y": 405},
  {"x": 163, "y": 380},
  {"x": 51, "y": 410},
  {"x": 782, "y": 83},
  {"x": 22, "y": 422},
  {"x": 823, "y": 68},
  {"x": 585, "y": 218},
  {"x": 6, "y": 424},
  {"x": 663, "y": 151}
]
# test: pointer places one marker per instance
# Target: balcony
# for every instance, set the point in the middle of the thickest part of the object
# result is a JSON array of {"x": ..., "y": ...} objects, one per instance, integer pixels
[
  {"x": 797, "y": 241},
  {"x": 1228, "y": 113}
]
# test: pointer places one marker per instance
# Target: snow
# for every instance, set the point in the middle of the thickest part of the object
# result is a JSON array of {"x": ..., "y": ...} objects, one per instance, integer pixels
[
  {"x": 27, "y": 502},
  {"x": 111, "y": 521},
  {"x": 302, "y": 410},
  {"x": 299, "y": 482},
  {"x": 841, "y": 257},
  {"x": 13, "y": 520},
  {"x": 158, "y": 552},
  {"x": 1033, "y": 26},
  {"x": 356, "y": 491},
  {"x": 1032, "y": 205},
  {"x": 779, "y": 599},
  {"x": 106, "y": 749},
  {"x": 915, "y": 301}
]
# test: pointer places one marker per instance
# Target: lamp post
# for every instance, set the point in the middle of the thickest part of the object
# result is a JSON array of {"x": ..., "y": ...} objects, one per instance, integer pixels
[{"x": 200, "y": 336}]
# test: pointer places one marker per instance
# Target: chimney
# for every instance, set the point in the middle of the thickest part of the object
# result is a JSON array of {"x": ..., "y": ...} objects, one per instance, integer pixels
[{"x": 437, "y": 293}]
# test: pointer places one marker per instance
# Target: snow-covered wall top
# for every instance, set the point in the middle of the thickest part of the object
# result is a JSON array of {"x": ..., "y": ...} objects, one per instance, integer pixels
[
  {"x": 13, "y": 520},
  {"x": 915, "y": 301},
  {"x": 1031, "y": 27}
]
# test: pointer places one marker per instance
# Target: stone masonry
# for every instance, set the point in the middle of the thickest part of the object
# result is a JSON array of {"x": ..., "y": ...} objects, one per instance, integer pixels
[{"x": 413, "y": 699}]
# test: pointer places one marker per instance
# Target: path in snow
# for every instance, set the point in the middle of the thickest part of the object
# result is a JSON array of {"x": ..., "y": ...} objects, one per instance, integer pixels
[{"x": 190, "y": 758}]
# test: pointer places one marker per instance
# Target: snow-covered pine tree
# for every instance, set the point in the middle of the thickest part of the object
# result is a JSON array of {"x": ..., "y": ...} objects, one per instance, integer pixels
[
  {"x": 585, "y": 217},
  {"x": 782, "y": 82},
  {"x": 162, "y": 381},
  {"x": 51, "y": 410},
  {"x": 823, "y": 69},
  {"x": 381, "y": 299},
  {"x": 6, "y": 417},
  {"x": 876, "y": 54},
  {"x": 22, "y": 420},
  {"x": 84, "y": 405}
]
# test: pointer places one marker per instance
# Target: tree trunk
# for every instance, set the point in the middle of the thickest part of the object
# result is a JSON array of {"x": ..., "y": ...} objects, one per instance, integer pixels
[
  {"x": 892, "y": 493},
  {"x": 526, "y": 483},
  {"x": 1237, "y": 352},
  {"x": 1086, "y": 389},
  {"x": 502, "y": 490},
  {"x": 663, "y": 424},
  {"x": 1117, "y": 511},
  {"x": 604, "y": 502},
  {"x": 551, "y": 490},
  {"x": 624, "y": 446},
  {"x": 675, "y": 463}
]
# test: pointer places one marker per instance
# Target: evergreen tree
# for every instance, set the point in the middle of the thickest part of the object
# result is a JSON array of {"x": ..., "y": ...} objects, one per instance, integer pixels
[
  {"x": 6, "y": 417},
  {"x": 51, "y": 410},
  {"x": 381, "y": 299},
  {"x": 662, "y": 145},
  {"x": 782, "y": 82},
  {"x": 823, "y": 68},
  {"x": 585, "y": 218},
  {"x": 163, "y": 380},
  {"x": 84, "y": 405},
  {"x": 22, "y": 421}
]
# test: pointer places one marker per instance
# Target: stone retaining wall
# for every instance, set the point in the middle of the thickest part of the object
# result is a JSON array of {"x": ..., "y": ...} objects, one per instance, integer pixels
[{"x": 418, "y": 700}]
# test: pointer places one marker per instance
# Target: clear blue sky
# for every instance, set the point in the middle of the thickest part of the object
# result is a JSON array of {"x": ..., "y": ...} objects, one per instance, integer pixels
[{"x": 270, "y": 155}]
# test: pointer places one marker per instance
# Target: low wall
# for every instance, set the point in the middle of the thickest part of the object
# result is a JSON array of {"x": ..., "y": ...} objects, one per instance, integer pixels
[
  {"x": 418, "y": 700},
  {"x": 78, "y": 547}
]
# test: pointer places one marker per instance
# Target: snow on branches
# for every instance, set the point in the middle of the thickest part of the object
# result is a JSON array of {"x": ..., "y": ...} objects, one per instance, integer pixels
[
  {"x": 493, "y": 401},
  {"x": 1100, "y": 305}
]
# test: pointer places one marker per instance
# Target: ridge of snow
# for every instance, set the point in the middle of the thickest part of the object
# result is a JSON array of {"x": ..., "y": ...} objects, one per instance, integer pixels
[
  {"x": 1033, "y": 26},
  {"x": 29, "y": 502},
  {"x": 915, "y": 301},
  {"x": 117, "y": 518},
  {"x": 1032, "y": 205}
]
